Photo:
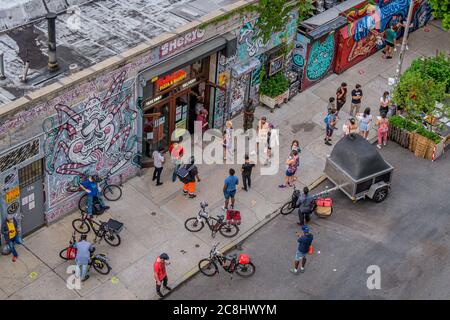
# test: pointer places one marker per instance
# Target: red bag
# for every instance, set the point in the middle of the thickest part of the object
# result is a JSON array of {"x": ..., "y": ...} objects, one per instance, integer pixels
[
  {"x": 324, "y": 202},
  {"x": 244, "y": 258},
  {"x": 233, "y": 217},
  {"x": 71, "y": 253}
]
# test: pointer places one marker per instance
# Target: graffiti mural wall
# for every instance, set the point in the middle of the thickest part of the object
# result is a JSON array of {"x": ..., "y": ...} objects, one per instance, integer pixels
[
  {"x": 95, "y": 136},
  {"x": 368, "y": 21}
]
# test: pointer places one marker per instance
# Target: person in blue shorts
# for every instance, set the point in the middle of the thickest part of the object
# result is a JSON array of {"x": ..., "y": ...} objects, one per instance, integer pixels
[
  {"x": 229, "y": 189},
  {"x": 305, "y": 239}
]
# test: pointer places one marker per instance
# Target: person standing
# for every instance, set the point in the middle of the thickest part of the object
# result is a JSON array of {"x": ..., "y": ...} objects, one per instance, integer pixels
[
  {"x": 341, "y": 97},
  {"x": 383, "y": 128},
  {"x": 331, "y": 104},
  {"x": 295, "y": 145},
  {"x": 261, "y": 131},
  {"x": 10, "y": 232},
  {"x": 291, "y": 163},
  {"x": 247, "y": 173},
  {"x": 160, "y": 274},
  {"x": 83, "y": 256},
  {"x": 90, "y": 186},
  {"x": 385, "y": 102},
  {"x": 330, "y": 122},
  {"x": 229, "y": 189},
  {"x": 356, "y": 100},
  {"x": 176, "y": 154},
  {"x": 189, "y": 182},
  {"x": 364, "y": 122},
  {"x": 305, "y": 239},
  {"x": 390, "y": 39},
  {"x": 249, "y": 115},
  {"x": 305, "y": 205},
  {"x": 228, "y": 140},
  {"x": 203, "y": 118},
  {"x": 158, "y": 161}
]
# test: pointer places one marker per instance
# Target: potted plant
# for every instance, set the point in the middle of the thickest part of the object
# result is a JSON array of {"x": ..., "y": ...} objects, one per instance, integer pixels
[{"x": 274, "y": 90}]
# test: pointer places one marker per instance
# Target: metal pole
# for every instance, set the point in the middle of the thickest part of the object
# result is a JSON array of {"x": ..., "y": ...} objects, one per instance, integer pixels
[
  {"x": 404, "y": 42},
  {"x": 25, "y": 71},
  {"x": 51, "y": 25},
  {"x": 2, "y": 67}
]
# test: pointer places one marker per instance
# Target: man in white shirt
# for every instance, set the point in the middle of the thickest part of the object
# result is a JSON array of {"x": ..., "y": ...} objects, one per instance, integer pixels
[{"x": 158, "y": 161}]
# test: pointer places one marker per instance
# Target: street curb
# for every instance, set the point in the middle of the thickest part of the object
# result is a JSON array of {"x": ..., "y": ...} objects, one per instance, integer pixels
[{"x": 242, "y": 237}]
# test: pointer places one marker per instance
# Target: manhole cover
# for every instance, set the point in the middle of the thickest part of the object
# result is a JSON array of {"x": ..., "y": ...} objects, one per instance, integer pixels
[{"x": 307, "y": 126}]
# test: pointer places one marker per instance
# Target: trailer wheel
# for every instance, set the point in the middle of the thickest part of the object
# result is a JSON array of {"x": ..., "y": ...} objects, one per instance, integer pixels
[{"x": 381, "y": 194}]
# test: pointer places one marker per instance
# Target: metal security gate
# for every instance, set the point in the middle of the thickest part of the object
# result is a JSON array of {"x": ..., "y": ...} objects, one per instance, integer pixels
[{"x": 32, "y": 196}]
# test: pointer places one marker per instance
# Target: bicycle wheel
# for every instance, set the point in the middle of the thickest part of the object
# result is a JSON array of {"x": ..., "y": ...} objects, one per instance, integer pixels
[
  {"x": 101, "y": 266},
  {"x": 112, "y": 238},
  {"x": 63, "y": 254},
  {"x": 81, "y": 226},
  {"x": 112, "y": 192},
  {"x": 193, "y": 225},
  {"x": 208, "y": 267},
  {"x": 228, "y": 230},
  {"x": 82, "y": 203},
  {"x": 246, "y": 270},
  {"x": 287, "y": 208}
]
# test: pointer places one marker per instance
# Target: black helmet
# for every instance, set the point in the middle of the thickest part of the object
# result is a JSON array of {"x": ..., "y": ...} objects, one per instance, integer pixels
[{"x": 164, "y": 256}]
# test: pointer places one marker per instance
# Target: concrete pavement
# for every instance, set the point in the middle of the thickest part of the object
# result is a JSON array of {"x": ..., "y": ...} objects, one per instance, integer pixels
[{"x": 154, "y": 216}]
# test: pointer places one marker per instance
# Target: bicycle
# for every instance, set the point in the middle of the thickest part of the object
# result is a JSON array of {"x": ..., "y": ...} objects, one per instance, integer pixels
[
  {"x": 104, "y": 230},
  {"x": 217, "y": 224},
  {"x": 289, "y": 206},
  {"x": 111, "y": 192},
  {"x": 99, "y": 262},
  {"x": 231, "y": 263}
]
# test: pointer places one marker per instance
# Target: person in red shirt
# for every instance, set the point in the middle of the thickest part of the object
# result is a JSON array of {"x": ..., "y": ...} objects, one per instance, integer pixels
[
  {"x": 176, "y": 153},
  {"x": 159, "y": 269}
]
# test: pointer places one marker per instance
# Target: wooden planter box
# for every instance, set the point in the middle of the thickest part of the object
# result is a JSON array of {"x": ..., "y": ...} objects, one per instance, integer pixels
[
  {"x": 419, "y": 145},
  {"x": 274, "y": 102},
  {"x": 402, "y": 137}
]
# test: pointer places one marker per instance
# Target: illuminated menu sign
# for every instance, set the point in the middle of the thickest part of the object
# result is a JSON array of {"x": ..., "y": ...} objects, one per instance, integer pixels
[{"x": 171, "y": 79}]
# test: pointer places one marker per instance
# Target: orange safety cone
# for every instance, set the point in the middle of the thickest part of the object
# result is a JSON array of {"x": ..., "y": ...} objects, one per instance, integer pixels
[{"x": 310, "y": 250}]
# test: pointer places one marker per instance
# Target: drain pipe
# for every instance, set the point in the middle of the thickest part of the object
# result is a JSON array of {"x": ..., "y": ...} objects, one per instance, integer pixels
[
  {"x": 52, "y": 62},
  {"x": 25, "y": 71},
  {"x": 2, "y": 67}
]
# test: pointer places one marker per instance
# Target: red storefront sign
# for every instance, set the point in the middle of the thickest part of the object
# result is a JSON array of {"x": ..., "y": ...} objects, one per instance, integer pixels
[{"x": 171, "y": 79}]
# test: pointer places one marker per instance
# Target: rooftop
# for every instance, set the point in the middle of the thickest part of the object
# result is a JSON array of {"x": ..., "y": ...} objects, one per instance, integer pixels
[{"x": 86, "y": 34}]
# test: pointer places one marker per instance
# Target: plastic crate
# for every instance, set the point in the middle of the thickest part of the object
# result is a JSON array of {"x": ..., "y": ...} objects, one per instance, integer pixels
[{"x": 114, "y": 225}]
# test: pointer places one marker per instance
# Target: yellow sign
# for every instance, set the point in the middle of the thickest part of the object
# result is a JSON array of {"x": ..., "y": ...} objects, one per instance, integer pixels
[{"x": 12, "y": 195}]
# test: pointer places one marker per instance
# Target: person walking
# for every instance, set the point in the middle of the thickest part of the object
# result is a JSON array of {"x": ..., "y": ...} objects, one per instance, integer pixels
[
  {"x": 229, "y": 189},
  {"x": 90, "y": 186},
  {"x": 390, "y": 39},
  {"x": 305, "y": 206},
  {"x": 249, "y": 115},
  {"x": 364, "y": 122},
  {"x": 305, "y": 239},
  {"x": 341, "y": 97},
  {"x": 356, "y": 100},
  {"x": 383, "y": 128},
  {"x": 261, "y": 132},
  {"x": 189, "y": 180},
  {"x": 158, "y": 161},
  {"x": 83, "y": 256},
  {"x": 176, "y": 154},
  {"x": 160, "y": 273},
  {"x": 330, "y": 122},
  {"x": 385, "y": 102},
  {"x": 247, "y": 173},
  {"x": 10, "y": 232},
  {"x": 291, "y": 163},
  {"x": 228, "y": 140}
]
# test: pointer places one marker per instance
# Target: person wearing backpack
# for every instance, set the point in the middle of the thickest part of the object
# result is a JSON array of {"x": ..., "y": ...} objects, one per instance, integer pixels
[
  {"x": 305, "y": 206},
  {"x": 330, "y": 121},
  {"x": 383, "y": 128},
  {"x": 187, "y": 175}
]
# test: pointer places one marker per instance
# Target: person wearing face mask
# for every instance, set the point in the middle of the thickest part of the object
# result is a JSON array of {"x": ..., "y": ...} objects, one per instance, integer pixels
[{"x": 160, "y": 274}]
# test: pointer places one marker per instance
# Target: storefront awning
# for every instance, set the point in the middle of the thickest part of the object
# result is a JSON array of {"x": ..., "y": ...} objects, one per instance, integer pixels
[
  {"x": 243, "y": 68},
  {"x": 186, "y": 57}
]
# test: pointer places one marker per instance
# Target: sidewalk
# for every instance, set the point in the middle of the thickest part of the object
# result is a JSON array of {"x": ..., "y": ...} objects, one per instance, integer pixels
[{"x": 154, "y": 216}]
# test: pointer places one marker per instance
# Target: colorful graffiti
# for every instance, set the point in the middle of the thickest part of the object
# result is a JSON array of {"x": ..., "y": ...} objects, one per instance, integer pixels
[
  {"x": 98, "y": 136},
  {"x": 320, "y": 58}
]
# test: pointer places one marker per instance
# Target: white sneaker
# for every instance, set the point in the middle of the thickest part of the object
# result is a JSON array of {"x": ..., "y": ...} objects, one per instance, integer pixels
[
  {"x": 407, "y": 48},
  {"x": 379, "y": 146}
]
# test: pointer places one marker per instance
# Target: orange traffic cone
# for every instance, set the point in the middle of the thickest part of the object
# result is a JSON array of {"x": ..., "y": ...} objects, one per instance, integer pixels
[{"x": 310, "y": 250}]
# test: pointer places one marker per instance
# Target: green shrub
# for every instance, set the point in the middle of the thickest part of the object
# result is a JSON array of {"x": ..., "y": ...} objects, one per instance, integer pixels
[{"x": 274, "y": 85}]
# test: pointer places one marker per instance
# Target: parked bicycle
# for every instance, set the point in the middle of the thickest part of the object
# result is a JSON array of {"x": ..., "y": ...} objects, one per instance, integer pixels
[
  {"x": 289, "y": 206},
  {"x": 98, "y": 261},
  {"x": 103, "y": 230},
  {"x": 231, "y": 263},
  {"x": 111, "y": 192},
  {"x": 217, "y": 224}
]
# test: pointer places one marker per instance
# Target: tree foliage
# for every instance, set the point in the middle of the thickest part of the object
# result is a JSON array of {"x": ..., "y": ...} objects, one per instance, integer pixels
[{"x": 441, "y": 10}]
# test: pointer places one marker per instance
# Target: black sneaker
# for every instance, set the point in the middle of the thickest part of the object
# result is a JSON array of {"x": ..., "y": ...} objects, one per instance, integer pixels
[
  {"x": 159, "y": 184},
  {"x": 160, "y": 294},
  {"x": 192, "y": 196},
  {"x": 167, "y": 288},
  {"x": 327, "y": 143},
  {"x": 85, "y": 278},
  {"x": 185, "y": 193}
]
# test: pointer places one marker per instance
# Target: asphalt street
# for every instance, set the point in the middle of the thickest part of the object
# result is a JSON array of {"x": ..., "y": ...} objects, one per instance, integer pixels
[{"x": 407, "y": 236}]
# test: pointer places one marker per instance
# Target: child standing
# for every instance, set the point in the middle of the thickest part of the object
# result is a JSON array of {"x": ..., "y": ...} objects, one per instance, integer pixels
[
  {"x": 247, "y": 173},
  {"x": 383, "y": 128}
]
